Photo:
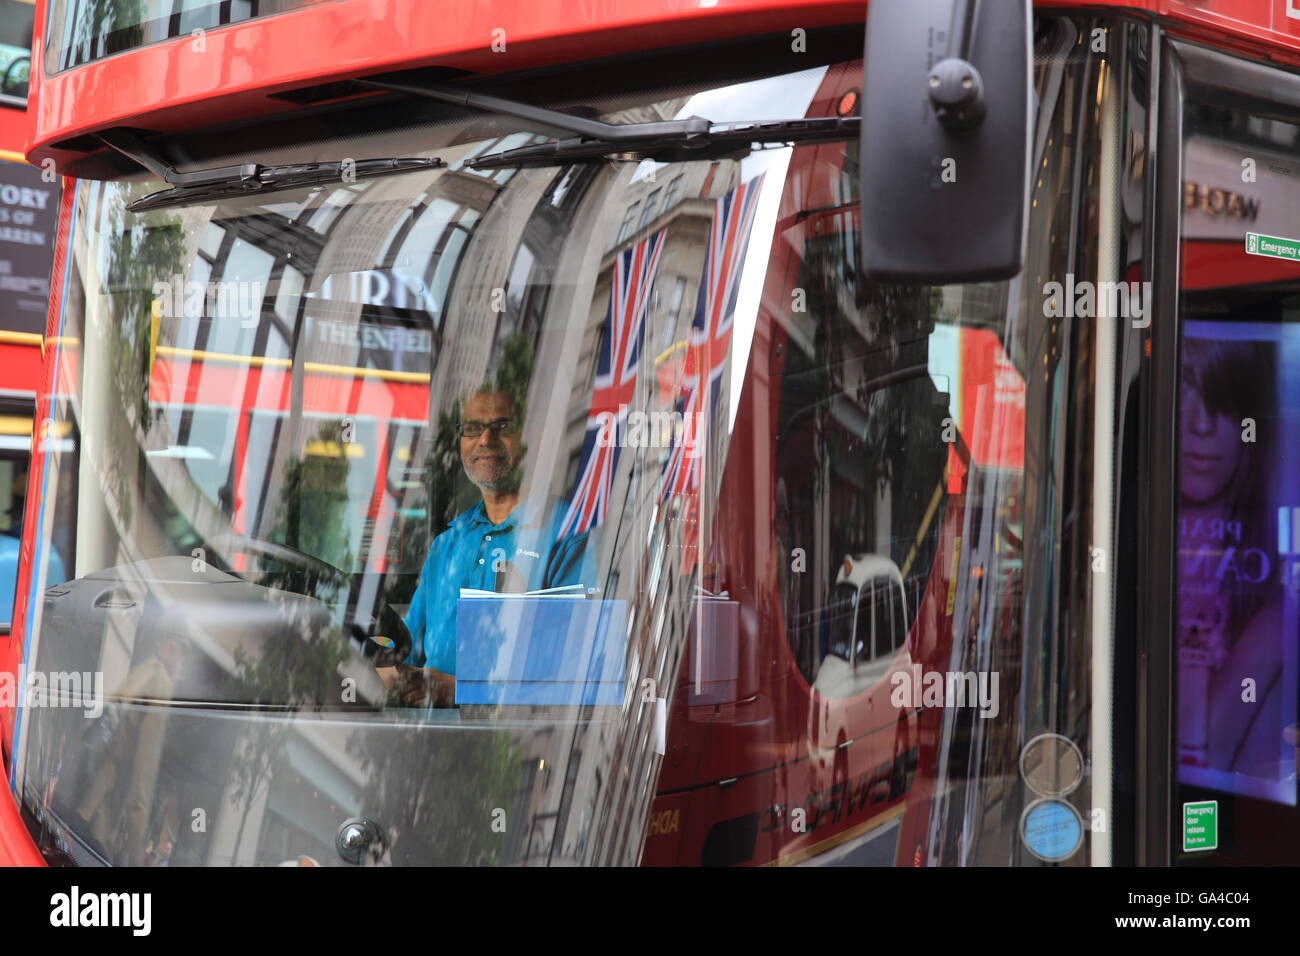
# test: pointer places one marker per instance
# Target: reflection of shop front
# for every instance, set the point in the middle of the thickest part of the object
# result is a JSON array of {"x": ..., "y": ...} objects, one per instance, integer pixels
[
  {"x": 28, "y": 213},
  {"x": 1230, "y": 189}
]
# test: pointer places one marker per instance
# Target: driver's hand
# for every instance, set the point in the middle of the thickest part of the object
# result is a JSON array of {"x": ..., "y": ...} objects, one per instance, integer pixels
[{"x": 423, "y": 687}]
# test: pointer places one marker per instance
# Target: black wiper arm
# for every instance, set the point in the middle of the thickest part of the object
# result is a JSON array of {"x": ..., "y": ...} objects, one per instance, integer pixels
[
  {"x": 252, "y": 178},
  {"x": 719, "y": 140},
  {"x": 694, "y": 138},
  {"x": 589, "y": 128},
  {"x": 246, "y": 178}
]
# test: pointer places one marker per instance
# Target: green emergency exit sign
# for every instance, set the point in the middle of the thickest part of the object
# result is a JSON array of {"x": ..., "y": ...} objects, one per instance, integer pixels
[
  {"x": 1201, "y": 826},
  {"x": 1273, "y": 246}
]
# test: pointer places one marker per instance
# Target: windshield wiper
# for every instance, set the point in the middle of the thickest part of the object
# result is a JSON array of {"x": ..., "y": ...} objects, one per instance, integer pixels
[
  {"x": 718, "y": 139},
  {"x": 691, "y": 138},
  {"x": 204, "y": 185}
]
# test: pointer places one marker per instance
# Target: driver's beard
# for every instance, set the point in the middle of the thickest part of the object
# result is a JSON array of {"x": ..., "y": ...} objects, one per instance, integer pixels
[{"x": 510, "y": 481}]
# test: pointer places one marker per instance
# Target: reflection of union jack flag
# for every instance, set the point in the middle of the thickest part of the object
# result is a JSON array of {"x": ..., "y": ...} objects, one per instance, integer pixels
[
  {"x": 706, "y": 359},
  {"x": 615, "y": 382}
]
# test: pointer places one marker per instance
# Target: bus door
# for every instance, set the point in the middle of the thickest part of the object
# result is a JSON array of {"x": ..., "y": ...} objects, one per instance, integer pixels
[{"x": 1235, "y": 625}]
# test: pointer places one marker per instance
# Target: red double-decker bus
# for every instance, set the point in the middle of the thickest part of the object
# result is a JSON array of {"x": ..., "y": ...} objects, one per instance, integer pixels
[
  {"x": 29, "y": 200},
  {"x": 617, "y": 433}
]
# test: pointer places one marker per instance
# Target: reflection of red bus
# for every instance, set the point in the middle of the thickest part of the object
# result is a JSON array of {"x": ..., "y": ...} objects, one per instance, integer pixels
[
  {"x": 890, "y": 610},
  {"x": 820, "y": 763},
  {"x": 28, "y": 205}
]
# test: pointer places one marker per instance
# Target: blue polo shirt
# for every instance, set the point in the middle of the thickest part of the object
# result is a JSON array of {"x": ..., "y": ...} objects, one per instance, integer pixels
[{"x": 468, "y": 554}]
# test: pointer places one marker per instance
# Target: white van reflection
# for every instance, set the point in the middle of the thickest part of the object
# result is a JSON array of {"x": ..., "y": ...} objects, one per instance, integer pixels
[{"x": 865, "y": 625}]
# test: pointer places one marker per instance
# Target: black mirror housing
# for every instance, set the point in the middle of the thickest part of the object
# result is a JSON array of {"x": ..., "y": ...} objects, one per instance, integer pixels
[{"x": 946, "y": 140}]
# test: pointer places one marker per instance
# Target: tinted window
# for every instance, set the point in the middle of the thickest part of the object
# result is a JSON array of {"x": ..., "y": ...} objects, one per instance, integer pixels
[
  {"x": 883, "y": 612},
  {"x": 16, "y": 18}
]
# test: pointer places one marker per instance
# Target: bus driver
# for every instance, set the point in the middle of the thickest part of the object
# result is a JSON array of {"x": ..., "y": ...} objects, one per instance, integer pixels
[{"x": 500, "y": 544}]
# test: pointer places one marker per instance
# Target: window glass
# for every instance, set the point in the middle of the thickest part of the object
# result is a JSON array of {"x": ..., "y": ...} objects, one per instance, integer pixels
[
  {"x": 882, "y": 613},
  {"x": 899, "y": 616},
  {"x": 651, "y": 209},
  {"x": 670, "y": 197},
  {"x": 84, "y": 30},
  {"x": 16, "y": 19},
  {"x": 839, "y": 627},
  {"x": 1239, "y": 411},
  {"x": 628, "y": 218}
]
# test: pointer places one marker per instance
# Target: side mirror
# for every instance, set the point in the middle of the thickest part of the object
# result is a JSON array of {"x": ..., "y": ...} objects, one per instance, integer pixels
[{"x": 946, "y": 139}]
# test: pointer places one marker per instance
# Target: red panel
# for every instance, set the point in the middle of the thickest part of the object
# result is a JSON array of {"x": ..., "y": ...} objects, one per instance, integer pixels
[
  {"x": 213, "y": 383},
  {"x": 23, "y": 365},
  {"x": 1221, "y": 265},
  {"x": 13, "y": 130},
  {"x": 16, "y": 846},
  {"x": 1272, "y": 22},
  {"x": 170, "y": 86},
  {"x": 993, "y": 402}
]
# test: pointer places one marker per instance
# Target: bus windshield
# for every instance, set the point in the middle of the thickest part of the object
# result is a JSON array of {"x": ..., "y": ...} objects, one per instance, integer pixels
[{"x": 465, "y": 515}]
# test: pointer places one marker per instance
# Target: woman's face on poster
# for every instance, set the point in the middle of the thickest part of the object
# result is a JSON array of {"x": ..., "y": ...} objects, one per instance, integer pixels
[{"x": 1210, "y": 448}]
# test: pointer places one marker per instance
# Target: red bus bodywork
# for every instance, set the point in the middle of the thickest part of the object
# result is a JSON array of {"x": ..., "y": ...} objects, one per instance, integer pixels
[
  {"x": 20, "y": 355},
  {"x": 733, "y": 773}
]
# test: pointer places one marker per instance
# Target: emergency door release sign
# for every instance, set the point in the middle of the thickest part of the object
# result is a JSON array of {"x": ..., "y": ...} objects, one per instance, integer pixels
[{"x": 1274, "y": 247}]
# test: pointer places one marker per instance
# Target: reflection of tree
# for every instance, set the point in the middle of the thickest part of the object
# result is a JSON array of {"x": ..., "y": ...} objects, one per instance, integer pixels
[
  {"x": 138, "y": 251},
  {"x": 447, "y": 494},
  {"x": 298, "y": 665},
  {"x": 315, "y": 509},
  {"x": 441, "y": 788},
  {"x": 515, "y": 371}
]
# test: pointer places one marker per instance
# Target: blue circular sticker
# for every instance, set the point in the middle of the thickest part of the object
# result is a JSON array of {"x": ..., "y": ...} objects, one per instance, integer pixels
[{"x": 1051, "y": 829}]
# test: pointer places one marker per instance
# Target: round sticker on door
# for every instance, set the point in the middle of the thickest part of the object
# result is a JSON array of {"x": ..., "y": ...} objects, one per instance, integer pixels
[
  {"x": 1051, "y": 830},
  {"x": 1051, "y": 765}
]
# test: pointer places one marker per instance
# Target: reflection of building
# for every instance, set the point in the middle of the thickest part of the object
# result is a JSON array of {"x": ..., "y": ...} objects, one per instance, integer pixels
[{"x": 578, "y": 794}]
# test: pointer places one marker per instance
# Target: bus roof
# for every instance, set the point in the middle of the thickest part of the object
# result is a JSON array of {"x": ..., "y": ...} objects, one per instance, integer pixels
[{"x": 279, "y": 63}]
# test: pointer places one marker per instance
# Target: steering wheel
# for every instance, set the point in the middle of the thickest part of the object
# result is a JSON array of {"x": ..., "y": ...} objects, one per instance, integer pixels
[
  {"x": 385, "y": 639},
  {"x": 279, "y": 553},
  {"x": 6, "y": 83}
]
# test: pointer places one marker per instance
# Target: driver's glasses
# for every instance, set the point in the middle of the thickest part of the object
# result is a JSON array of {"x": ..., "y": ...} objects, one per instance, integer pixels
[{"x": 502, "y": 426}]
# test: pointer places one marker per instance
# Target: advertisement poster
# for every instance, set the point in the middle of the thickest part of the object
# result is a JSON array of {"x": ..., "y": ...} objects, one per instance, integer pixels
[
  {"x": 1239, "y": 534},
  {"x": 29, "y": 209}
]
